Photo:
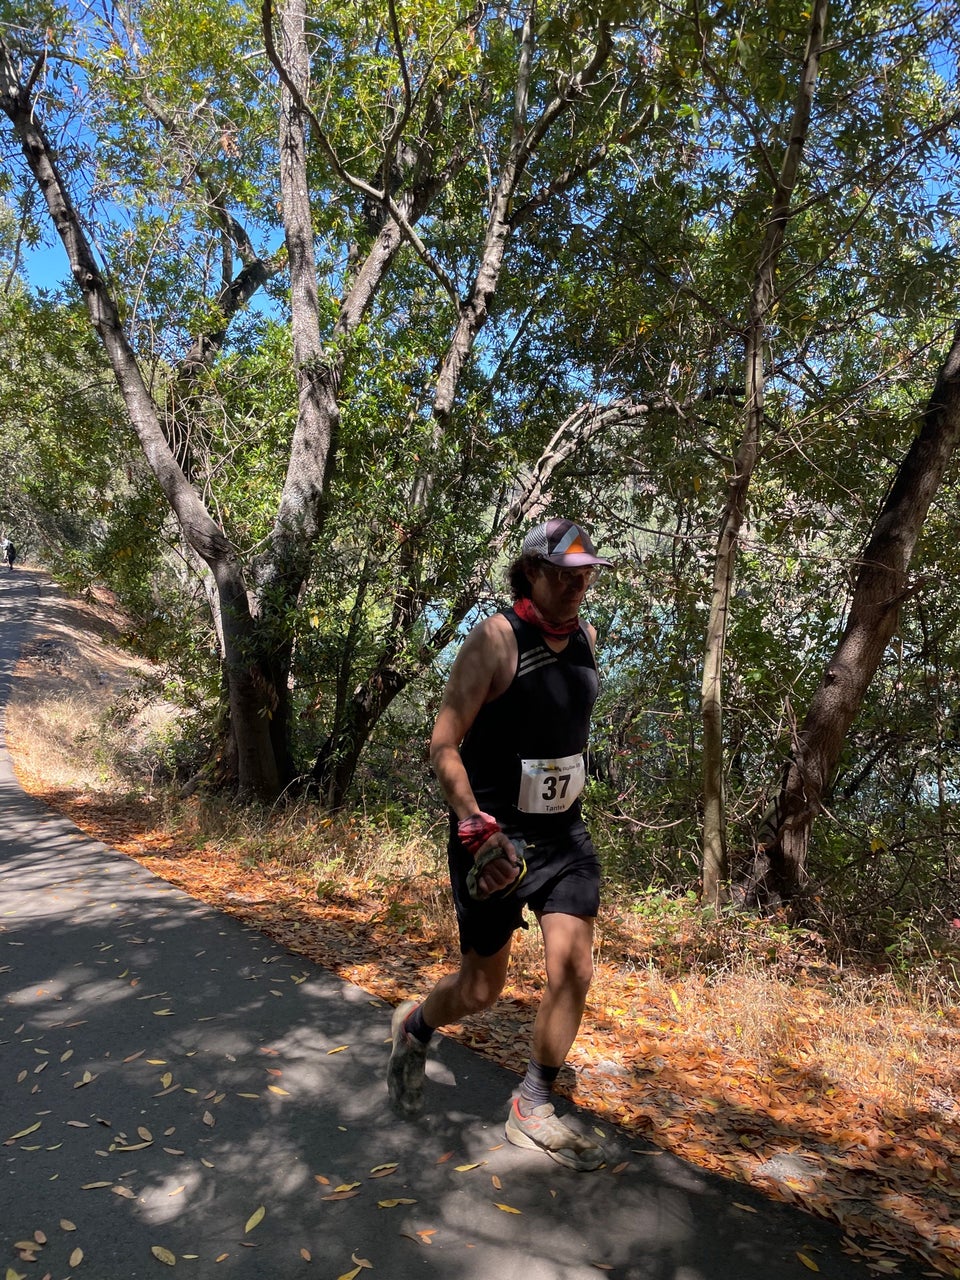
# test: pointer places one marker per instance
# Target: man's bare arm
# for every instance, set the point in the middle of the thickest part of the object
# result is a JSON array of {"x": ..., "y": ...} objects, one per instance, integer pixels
[
  {"x": 478, "y": 675},
  {"x": 481, "y": 671}
]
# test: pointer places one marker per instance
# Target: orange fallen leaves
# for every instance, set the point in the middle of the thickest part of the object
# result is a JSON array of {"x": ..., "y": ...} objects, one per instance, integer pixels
[{"x": 887, "y": 1172}]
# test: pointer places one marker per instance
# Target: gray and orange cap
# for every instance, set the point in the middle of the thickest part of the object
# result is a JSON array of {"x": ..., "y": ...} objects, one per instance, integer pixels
[{"x": 563, "y": 543}]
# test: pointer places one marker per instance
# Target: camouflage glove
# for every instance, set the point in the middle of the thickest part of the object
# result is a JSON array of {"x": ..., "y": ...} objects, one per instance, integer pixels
[{"x": 494, "y": 852}]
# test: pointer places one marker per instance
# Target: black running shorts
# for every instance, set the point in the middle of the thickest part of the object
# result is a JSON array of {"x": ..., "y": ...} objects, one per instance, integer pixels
[{"x": 563, "y": 876}]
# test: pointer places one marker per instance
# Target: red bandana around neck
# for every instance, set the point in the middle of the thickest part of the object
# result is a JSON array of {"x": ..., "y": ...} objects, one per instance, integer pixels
[{"x": 526, "y": 610}]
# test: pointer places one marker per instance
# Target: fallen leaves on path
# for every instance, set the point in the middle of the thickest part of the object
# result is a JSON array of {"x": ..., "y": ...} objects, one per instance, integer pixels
[{"x": 885, "y": 1170}]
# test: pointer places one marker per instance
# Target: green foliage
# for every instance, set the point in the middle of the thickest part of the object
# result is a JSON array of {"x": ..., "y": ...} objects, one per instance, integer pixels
[
  {"x": 64, "y": 445},
  {"x": 630, "y": 282}
]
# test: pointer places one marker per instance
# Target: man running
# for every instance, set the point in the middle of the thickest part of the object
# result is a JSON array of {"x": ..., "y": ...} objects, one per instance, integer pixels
[
  {"x": 508, "y": 750},
  {"x": 9, "y": 553}
]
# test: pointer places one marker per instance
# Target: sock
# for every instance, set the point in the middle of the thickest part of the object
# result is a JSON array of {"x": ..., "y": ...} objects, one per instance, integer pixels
[
  {"x": 415, "y": 1026},
  {"x": 537, "y": 1086}
]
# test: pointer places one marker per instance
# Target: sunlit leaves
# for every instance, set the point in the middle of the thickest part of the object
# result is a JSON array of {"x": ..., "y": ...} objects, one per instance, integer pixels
[{"x": 633, "y": 283}]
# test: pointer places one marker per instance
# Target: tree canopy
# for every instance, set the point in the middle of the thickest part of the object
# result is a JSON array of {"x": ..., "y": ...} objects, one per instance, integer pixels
[{"x": 378, "y": 285}]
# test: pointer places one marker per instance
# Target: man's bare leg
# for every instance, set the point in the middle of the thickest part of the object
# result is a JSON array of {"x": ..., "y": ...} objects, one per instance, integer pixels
[
  {"x": 568, "y": 943},
  {"x": 475, "y": 986}
]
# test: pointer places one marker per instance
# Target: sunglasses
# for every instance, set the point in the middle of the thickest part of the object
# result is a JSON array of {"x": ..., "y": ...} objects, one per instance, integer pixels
[{"x": 587, "y": 573}]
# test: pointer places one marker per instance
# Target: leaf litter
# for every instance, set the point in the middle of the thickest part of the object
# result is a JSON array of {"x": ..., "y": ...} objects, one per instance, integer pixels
[
  {"x": 882, "y": 1175},
  {"x": 888, "y": 1182}
]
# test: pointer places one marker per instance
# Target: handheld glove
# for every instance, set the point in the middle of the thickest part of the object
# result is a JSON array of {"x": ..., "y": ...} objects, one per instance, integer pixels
[{"x": 496, "y": 851}]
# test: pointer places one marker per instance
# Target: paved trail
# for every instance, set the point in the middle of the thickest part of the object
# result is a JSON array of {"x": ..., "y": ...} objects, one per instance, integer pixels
[{"x": 171, "y": 1080}]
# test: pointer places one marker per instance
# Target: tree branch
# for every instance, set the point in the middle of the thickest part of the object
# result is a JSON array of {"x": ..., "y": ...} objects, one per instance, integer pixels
[
  {"x": 564, "y": 181},
  {"x": 532, "y": 496},
  {"x": 348, "y": 179},
  {"x": 475, "y": 310}
]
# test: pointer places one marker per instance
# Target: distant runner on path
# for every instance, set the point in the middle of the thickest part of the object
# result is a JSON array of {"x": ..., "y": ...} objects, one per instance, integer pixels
[
  {"x": 508, "y": 750},
  {"x": 9, "y": 553}
]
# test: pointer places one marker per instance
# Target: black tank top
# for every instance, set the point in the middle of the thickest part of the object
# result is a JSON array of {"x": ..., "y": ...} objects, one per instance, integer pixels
[{"x": 544, "y": 713}]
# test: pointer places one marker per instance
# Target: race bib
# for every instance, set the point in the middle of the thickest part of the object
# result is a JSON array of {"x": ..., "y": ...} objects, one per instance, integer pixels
[{"x": 550, "y": 786}]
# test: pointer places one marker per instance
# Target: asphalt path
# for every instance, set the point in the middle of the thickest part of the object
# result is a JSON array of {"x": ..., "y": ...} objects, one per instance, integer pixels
[{"x": 180, "y": 1092}]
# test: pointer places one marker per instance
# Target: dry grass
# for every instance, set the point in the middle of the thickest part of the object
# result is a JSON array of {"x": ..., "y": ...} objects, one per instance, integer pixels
[
  {"x": 77, "y": 717},
  {"x": 726, "y": 1039},
  {"x": 758, "y": 989}
]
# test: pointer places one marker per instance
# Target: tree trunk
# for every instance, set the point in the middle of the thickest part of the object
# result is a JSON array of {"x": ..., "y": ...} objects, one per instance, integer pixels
[
  {"x": 779, "y": 869},
  {"x": 337, "y": 760},
  {"x": 250, "y": 702},
  {"x": 731, "y": 522}
]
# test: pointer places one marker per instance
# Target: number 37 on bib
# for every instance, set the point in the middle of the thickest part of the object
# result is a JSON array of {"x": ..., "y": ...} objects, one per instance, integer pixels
[{"x": 550, "y": 786}]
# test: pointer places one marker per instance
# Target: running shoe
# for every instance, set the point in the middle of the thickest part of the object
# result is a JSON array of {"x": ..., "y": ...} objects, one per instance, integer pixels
[
  {"x": 408, "y": 1060},
  {"x": 543, "y": 1130}
]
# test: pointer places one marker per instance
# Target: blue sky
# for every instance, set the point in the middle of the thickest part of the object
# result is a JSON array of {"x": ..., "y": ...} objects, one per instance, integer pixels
[{"x": 45, "y": 267}]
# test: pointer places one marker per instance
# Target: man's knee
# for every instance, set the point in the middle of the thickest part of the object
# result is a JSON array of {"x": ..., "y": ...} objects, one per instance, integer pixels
[
  {"x": 573, "y": 971},
  {"x": 569, "y": 948},
  {"x": 477, "y": 995},
  {"x": 479, "y": 987}
]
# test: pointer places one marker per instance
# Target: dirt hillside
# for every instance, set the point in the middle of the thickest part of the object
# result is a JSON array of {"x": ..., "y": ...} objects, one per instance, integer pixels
[{"x": 74, "y": 666}]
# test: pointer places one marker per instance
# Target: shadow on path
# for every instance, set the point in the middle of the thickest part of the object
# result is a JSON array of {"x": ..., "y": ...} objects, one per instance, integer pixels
[{"x": 167, "y": 1073}]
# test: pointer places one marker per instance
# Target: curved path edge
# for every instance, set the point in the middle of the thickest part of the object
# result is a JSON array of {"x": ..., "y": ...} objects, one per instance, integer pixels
[{"x": 180, "y": 1091}]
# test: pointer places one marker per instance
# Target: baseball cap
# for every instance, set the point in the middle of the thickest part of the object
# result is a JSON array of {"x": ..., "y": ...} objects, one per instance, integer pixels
[{"x": 563, "y": 543}]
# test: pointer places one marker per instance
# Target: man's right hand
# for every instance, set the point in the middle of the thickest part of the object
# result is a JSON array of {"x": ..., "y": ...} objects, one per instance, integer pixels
[{"x": 501, "y": 872}]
